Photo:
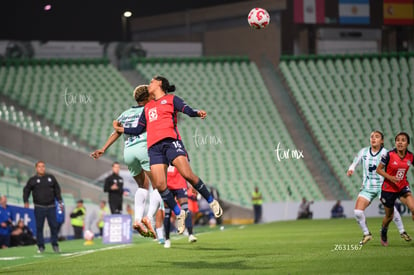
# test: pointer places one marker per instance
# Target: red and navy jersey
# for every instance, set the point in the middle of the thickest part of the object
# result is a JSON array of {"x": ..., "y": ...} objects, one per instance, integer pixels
[
  {"x": 160, "y": 119},
  {"x": 174, "y": 179},
  {"x": 398, "y": 167}
]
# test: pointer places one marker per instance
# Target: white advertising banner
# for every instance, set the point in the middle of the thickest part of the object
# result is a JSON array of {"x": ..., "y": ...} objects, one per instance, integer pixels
[{"x": 321, "y": 210}]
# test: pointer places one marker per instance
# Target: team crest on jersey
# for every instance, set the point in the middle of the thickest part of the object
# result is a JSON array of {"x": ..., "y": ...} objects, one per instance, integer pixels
[
  {"x": 152, "y": 113},
  {"x": 408, "y": 163},
  {"x": 49, "y": 179},
  {"x": 38, "y": 180},
  {"x": 400, "y": 174},
  {"x": 163, "y": 101}
]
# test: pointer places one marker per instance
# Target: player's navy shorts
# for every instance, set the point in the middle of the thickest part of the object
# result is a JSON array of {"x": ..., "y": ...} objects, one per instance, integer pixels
[
  {"x": 179, "y": 193},
  {"x": 165, "y": 151},
  {"x": 388, "y": 198}
]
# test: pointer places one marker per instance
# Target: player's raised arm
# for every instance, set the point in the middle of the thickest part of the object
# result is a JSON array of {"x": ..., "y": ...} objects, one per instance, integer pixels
[
  {"x": 111, "y": 139},
  {"x": 181, "y": 106},
  {"x": 353, "y": 165}
]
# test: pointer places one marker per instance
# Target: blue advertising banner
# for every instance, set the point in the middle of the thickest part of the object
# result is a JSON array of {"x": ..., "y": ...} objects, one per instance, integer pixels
[
  {"x": 26, "y": 214},
  {"x": 117, "y": 229}
]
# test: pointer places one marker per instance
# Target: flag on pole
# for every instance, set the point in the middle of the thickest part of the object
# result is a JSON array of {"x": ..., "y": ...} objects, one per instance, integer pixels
[
  {"x": 309, "y": 11},
  {"x": 398, "y": 12},
  {"x": 354, "y": 12}
]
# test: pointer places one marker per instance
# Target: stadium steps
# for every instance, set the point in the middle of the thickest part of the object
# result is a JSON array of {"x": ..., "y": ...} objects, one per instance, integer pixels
[
  {"x": 299, "y": 132},
  {"x": 344, "y": 98},
  {"x": 133, "y": 78},
  {"x": 249, "y": 129}
]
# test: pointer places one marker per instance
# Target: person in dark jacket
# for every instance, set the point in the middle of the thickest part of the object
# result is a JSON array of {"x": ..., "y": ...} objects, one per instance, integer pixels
[
  {"x": 114, "y": 185},
  {"x": 21, "y": 235},
  {"x": 45, "y": 189}
]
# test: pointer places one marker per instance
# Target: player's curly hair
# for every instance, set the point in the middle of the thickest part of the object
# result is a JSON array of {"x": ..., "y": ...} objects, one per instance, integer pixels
[
  {"x": 141, "y": 93},
  {"x": 165, "y": 84}
]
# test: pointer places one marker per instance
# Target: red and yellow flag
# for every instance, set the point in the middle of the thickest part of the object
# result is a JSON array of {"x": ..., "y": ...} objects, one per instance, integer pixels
[{"x": 398, "y": 12}]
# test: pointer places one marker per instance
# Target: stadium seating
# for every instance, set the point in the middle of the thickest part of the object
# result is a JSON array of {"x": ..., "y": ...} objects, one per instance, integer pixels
[
  {"x": 77, "y": 97},
  {"x": 344, "y": 98},
  {"x": 234, "y": 147}
]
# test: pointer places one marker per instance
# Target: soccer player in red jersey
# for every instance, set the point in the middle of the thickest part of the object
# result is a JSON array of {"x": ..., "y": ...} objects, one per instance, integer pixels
[
  {"x": 165, "y": 147},
  {"x": 178, "y": 186},
  {"x": 394, "y": 167}
]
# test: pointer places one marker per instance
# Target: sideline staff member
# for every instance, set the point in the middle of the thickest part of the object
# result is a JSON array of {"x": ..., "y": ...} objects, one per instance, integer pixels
[
  {"x": 114, "y": 185},
  {"x": 45, "y": 189}
]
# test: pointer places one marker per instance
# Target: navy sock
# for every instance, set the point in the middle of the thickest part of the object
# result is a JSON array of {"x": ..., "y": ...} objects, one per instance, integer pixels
[
  {"x": 202, "y": 189},
  {"x": 167, "y": 223},
  {"x": 189, "y": 223},
  {"x": 168, "y": 198}
]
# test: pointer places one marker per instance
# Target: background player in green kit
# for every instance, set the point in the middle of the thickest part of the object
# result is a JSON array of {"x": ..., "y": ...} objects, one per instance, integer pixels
[
  {"x": 137, "y": 160},
  {"x": 371, "y": 185}
]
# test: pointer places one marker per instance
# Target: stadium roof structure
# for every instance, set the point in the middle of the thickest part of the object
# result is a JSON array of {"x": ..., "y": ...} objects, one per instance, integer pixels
[{"x": 82, "y": 20}]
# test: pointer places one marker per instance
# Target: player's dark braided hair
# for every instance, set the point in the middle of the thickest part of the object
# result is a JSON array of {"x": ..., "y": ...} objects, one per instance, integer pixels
[{"x": 165, "y": 84}]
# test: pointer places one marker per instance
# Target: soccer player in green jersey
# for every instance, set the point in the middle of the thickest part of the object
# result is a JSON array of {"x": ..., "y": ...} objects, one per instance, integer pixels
[
  {"x": 137, "y": 160},
  {"x": 371, "y": 184}
]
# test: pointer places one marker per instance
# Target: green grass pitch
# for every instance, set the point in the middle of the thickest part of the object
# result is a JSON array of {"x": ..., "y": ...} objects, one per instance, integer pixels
[{"x": 293, "y": 247}]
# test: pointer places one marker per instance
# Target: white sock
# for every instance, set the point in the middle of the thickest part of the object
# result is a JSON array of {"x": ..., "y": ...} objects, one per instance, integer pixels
[
  {"x": 160, "y": 232},
  {"x": 360, "y": 217},
  {"x": 398, "y": 221},
  {"x": 154, "y": 204},
  {"x": 140, "y": 200}
]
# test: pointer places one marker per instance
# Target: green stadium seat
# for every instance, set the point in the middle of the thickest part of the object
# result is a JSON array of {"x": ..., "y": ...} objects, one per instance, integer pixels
[{"x": 368, "y": 92}]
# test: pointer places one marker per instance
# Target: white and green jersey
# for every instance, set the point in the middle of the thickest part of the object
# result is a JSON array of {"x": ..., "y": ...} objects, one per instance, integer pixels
[
  {"x": 129, "y": 119},
  {"x": 371, "y": 180}
]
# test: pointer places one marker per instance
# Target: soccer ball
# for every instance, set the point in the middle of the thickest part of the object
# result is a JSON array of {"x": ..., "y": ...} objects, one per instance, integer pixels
[
  {"x": 88, "y": 235},
  {"x": 258, "y": 18}
]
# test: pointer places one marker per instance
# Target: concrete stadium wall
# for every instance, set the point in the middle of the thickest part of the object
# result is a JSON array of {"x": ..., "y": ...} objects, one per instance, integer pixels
[
  {"x": 321, "y": 210},
  {"x": 35, "y": 146}
]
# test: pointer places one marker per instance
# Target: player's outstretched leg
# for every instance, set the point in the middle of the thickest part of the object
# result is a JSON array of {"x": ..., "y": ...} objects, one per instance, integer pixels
[
  {"x": 139, "y": 206},
  {"x": 167, "y": 227},
  {"x": 399, "y": 223},
  {"x": 189, "y": 225},
  {"x": 155, "y": 203},
  {"x": 360, "y": 218},
  {"x": 158, "y": 172},
  {"x": 183, "y": 167}
]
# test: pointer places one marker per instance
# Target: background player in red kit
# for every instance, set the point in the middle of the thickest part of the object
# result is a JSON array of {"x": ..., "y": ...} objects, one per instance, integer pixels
[
  {"x": 165, "y": 147},
  {"x": 394, "y": 167},
  {"x": 178, "y": 186}
]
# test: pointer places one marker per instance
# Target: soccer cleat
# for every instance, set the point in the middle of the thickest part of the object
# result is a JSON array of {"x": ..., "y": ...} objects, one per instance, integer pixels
[
  {"x": 41, "y": 250},
  {"x": 161, "y": 241},
  {"x": 56, "y": 249},
  {"x": 146, "y": 221},
  {"x": 141, "y": 229},
  {"x": 180, "y": 222},
  {"x": 405, "y": 236},
  {"x": 167, "y": 244},
  {"x": 215, "y": 206},
  {"x": 192, "y": 238},
  {"x": 384, "y": 239},
  {"x": 366, "y": 238}
]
